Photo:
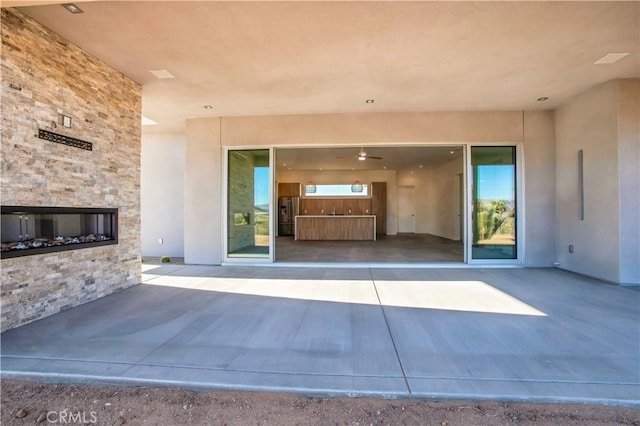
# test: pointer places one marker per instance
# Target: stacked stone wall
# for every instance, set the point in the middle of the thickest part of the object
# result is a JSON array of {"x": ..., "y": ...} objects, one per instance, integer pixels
[{"x": 43, "y": 77}]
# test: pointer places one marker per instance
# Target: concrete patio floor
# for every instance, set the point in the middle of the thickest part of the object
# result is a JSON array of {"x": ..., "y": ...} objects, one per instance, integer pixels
[{"x": 512, "y": 334}]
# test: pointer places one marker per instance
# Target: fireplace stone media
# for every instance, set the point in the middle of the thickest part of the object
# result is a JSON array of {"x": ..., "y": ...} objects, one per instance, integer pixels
[{"x": 36, "y": 230}]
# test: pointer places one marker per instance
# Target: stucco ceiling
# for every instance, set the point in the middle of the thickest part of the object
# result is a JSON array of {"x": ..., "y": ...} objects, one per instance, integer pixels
[
  {"x": 257, "y": 58},
  {"x": 407, "y": 159}
]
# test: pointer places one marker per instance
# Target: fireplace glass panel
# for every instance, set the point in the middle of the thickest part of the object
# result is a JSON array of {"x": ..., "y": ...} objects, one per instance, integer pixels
[{"x": 36, "y": 230}]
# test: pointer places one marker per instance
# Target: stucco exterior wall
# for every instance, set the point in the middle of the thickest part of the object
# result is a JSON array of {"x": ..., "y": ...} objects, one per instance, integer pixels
[
  {"x": 206, "y": 137},
  {"x": 163, "y": 169},
  {"x": 203, "y": 203},
  {"x": 372, "y": 128},
  {"x": 539, "y": 188},
  {"x": 43, "y": 75},
  {"x": 605, "y": 241},
  {"x": 629, "y": 179}
]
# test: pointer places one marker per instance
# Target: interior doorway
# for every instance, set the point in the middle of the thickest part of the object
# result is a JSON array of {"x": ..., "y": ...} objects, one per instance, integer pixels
[
  {"x": 406, "y": 209},
  {"x": 461, "y": 207}
]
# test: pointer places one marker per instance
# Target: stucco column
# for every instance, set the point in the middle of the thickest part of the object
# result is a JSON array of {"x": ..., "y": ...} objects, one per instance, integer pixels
[{"x": 202, "y": 192}]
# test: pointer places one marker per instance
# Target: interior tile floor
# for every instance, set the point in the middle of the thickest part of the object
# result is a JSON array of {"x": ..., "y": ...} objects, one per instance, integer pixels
[
  {"x": 409, "y": 248},
  {"x": 509, "y": 334}
]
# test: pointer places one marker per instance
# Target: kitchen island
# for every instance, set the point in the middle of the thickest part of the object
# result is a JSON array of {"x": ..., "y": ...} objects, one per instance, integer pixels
[{"x": 335, "y": 227}]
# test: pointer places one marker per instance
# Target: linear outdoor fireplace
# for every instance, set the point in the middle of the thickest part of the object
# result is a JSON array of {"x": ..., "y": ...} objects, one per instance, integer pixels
[{"x": 37, "y": 230}]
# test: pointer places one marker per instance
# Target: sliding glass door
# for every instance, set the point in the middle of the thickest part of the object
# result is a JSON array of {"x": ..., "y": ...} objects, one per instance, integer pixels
[
  {"x": 248, "y": 207},
  {"x": 494, "y": 210}
]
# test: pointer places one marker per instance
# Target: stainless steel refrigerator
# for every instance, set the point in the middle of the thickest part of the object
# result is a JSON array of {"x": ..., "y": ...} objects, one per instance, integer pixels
[{"x": 288, "y": 208}]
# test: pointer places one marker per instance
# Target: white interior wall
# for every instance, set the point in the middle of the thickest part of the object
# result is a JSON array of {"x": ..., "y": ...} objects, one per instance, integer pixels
[
  {"x": 162, "y": 194},
  {"x": 437, "y": 198}
]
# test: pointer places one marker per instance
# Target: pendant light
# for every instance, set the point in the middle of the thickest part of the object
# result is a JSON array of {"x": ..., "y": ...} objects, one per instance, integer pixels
[{"x": 310, "y": 188}]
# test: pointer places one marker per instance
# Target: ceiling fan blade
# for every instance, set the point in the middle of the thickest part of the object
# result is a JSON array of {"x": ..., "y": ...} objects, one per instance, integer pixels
[{"x": 374, "y": 158}]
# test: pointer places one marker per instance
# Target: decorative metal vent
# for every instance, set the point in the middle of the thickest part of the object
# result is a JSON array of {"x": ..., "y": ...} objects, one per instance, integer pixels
[{"x": 64, "y": 140}]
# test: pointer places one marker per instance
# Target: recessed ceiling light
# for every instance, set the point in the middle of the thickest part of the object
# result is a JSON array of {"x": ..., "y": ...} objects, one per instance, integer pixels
[
  {"x": 161, "y": 74},
  {"x": 610, "y": 58},
  {"x": 420, "y": 166},
  {"x": 146, "y": 121},
  {"x": 452, "y": 152},
  {"x": 542, "y": 98},
  {"x": 384, "y": 167},
  {"x": 72, "y": 8},
  {"x": 369, "y": 101},
  {"x": 207, "y": 107}
]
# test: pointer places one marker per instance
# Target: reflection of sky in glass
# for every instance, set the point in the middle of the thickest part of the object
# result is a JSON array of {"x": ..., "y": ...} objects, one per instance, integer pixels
[
  {"x": 496, "y": 182},
  {"x": 261, "y": 186}
]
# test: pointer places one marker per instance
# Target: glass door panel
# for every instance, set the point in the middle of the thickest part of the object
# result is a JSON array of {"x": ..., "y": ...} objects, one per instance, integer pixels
[
  {"x": 494, "y": 210},
  {"x": 248, "y": 211}
]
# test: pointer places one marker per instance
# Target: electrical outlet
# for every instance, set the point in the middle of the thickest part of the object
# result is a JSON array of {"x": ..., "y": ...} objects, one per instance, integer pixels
[{"x": 160, "y": 240}]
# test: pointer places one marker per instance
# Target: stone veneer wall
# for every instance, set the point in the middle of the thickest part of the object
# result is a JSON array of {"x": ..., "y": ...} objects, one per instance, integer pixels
[{"x": 44, "y": 75}]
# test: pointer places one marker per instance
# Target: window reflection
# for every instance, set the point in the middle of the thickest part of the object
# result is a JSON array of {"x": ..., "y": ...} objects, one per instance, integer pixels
[{"x": 494, "y": 203}]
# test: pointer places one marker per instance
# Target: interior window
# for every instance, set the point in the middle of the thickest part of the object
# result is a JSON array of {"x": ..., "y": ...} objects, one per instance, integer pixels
[{"x": 356, "y": 189}]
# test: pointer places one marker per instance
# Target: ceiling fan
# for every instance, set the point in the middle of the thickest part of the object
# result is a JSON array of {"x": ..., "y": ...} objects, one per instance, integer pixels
[{"x": 362, "y": 156}]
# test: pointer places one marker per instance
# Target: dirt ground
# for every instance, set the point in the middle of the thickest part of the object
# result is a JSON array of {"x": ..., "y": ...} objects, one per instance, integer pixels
[{"x": 25, "y": 403}]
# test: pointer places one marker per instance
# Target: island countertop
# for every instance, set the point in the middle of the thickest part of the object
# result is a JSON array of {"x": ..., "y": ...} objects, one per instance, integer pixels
[
  {"x": 335, "y": 215},
  {"x": 335, "y": 227}
]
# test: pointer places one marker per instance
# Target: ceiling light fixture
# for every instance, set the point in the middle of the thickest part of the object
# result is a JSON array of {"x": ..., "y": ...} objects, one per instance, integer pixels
[
  {"x": 162, "y": 74},
  {"x": 369, "y": 101},
  {"x": 357, "y": 186},
  {"x": 310, "y": 188},
  {"x": 72, "y": 8},
  {"x": 207, "y": 107},
  {"x": 542, "y": 98},
  {"x": 146, "y": 121},
  {"x": 610, "y": 58}
]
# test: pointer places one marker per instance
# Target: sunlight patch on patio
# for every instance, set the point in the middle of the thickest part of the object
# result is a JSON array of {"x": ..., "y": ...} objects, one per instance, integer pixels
[{"x": 467, "y": 296}]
